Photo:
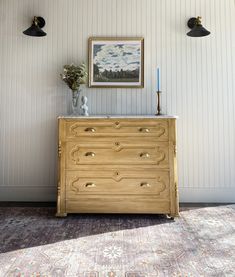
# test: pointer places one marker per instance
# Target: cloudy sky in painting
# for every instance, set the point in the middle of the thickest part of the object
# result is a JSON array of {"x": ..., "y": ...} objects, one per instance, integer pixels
[{"x": 117, "y": 56}]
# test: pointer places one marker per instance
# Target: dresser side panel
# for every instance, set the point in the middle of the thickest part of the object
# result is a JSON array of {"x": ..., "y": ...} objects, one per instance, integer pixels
[
  {"x": 173, "y": 169},
  {"x": 61, "y": 194}
]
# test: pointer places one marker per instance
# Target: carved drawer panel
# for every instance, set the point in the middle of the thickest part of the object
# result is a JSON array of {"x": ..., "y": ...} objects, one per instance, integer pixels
[
  {"x": 117, "y": 182},
  {"x": 117, "y": 127},
  {"x": 156, "y": 155}
]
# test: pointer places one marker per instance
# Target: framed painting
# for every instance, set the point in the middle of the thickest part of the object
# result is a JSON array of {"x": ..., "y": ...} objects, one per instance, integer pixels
[{"x": 116, "y": 62}]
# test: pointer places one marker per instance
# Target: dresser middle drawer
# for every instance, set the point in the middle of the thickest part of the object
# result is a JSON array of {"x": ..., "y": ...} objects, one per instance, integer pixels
[{"x": 156, "y": 155}]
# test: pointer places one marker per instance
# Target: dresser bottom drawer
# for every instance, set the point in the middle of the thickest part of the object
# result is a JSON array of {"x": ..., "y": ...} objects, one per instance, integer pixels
[
  {"x": 117, "y": 182},
  {"x": 117, "y": 204}
]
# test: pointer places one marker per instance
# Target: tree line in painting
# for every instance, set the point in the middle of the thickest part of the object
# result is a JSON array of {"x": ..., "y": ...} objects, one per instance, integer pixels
[{"x": 115, "y": 76}]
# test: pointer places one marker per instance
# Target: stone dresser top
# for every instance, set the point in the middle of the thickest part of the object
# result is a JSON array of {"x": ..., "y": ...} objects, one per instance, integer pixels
[{"x": 117, "y": 116}]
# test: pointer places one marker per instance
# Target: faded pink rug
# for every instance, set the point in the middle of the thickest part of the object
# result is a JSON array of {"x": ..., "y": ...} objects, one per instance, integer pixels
[{"x": 199, "y": 243}]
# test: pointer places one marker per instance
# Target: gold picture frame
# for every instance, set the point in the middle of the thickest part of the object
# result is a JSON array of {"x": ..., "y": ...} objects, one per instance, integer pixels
[{"x": 116, "y": 62}]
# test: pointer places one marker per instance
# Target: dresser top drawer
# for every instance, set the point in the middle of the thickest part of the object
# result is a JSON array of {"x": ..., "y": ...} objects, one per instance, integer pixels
[{"x": 117, "y": 127}]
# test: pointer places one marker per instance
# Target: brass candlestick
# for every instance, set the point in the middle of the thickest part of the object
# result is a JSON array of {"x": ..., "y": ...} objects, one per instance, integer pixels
[{"x": 158, "y": 103}]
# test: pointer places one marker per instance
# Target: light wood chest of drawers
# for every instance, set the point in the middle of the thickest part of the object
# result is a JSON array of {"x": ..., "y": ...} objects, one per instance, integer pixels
[{"x": 117, "y": 165}]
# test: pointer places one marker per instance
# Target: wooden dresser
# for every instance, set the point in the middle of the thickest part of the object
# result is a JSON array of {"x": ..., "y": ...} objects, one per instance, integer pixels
[{"x": 117, "y": 165}]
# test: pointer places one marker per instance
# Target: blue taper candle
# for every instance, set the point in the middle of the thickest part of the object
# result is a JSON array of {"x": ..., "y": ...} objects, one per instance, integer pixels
[{"x": 158, "y": 79}]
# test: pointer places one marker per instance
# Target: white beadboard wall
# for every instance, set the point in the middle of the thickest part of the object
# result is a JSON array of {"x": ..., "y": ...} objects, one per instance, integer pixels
[{"x": 197, "y": 83}]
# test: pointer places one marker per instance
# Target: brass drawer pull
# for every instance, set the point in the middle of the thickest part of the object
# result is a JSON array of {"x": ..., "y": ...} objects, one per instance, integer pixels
[
  {"x": 92, "y": 130},
  {"x": 144, "y": 155},
  {"x": 90, "y": 154},
  {"x": 90, "y": 185},
  {"x": 144, "y": 130},
  {"x": 144, "y": 184}
]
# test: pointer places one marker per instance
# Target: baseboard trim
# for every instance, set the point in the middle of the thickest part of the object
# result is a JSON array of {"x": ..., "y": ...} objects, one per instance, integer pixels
[
  {"x": 207, "y": 195},
  {"x": 46, "y": 194},
  {"x": 28, "y": 194}
]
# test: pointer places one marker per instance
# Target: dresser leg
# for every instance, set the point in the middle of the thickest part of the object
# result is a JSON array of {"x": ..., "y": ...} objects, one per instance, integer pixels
[
  {"x": 61, "y": 214},
  {"x": 171, "y": 217}
]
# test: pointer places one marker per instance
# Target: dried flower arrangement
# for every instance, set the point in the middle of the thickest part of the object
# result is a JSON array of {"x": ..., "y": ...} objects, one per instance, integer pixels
[{"x": 74, "y": 75}]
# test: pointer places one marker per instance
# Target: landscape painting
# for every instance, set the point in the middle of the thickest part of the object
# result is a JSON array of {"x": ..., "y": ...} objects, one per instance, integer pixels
[{"x": 116, "y": 62}]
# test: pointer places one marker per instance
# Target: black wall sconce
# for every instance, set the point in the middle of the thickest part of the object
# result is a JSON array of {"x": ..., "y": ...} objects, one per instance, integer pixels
[
  {"x": 35, "y": 30},
  {"x": 197, "y": 29}
]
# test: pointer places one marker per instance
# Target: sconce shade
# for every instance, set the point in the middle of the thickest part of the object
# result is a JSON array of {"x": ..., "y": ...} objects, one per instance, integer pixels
[
  {"x": 35, "y": 30},
  {"x": 197, "y": 29}
]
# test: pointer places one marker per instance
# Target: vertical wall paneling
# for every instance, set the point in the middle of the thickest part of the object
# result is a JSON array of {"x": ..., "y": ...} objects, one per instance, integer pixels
[{"x": 197, "y": 83}]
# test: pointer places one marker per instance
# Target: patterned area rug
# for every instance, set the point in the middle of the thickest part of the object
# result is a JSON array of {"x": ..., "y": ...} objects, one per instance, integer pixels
[{"x": 199, "y": 243}]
